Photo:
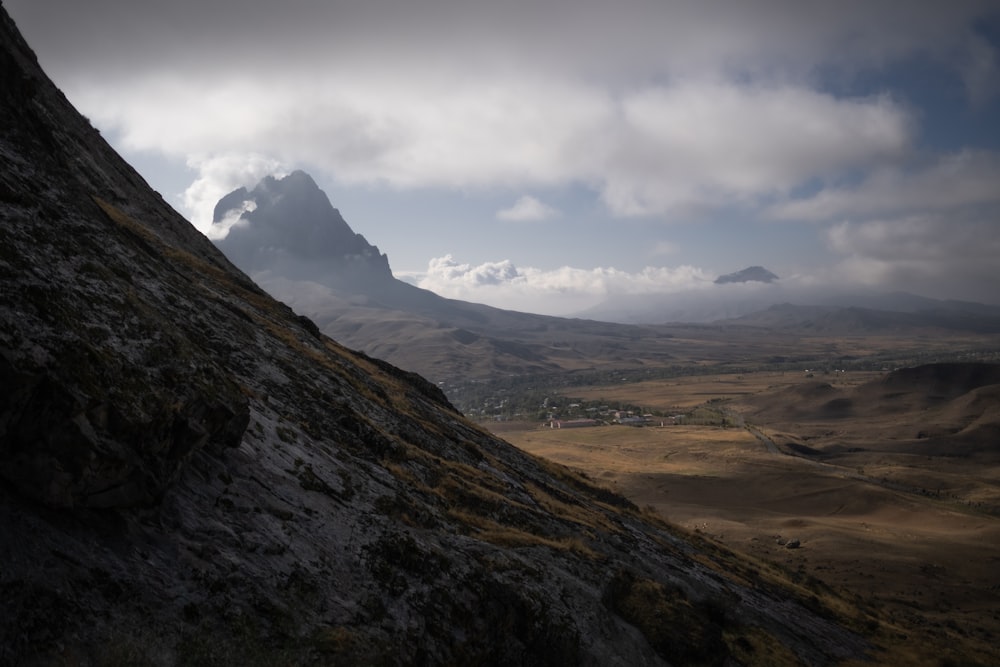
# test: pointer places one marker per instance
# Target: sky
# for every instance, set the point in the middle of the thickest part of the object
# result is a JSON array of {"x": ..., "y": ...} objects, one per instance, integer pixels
[{"x": 547, "y": 155}]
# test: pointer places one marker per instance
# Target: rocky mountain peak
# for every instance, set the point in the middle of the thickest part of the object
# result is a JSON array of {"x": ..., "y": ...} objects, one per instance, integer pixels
[
  {"x": 289, "y": 222},
  {"x": 190, "y": 473},
  {"x": 750, "y": 274}
]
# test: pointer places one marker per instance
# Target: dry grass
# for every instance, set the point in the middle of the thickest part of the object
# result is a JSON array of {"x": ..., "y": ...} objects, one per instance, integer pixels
[
  {"x": 506, "y": 535},
  {"x": 925, "y": 563},
  {"x": 685, "y": 393}
]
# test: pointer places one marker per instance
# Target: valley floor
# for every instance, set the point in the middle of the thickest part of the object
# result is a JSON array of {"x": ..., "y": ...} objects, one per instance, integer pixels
[{"x": 915, "y": 537}]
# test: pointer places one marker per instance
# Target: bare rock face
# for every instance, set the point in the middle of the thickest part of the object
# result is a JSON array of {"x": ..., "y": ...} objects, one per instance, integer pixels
[
  {"x": 191, "y": 474},
  {"x": 103, "y": 395},
  {"x": 66, "y": 447}
]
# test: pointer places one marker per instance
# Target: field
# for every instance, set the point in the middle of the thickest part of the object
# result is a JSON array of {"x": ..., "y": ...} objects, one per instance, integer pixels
[{"x": 891, "y": 487}]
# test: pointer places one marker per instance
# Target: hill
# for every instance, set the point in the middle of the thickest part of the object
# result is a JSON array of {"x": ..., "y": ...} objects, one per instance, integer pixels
[
  {"x": 191, "y": 473},
  {"x": 943, "y": 409}
]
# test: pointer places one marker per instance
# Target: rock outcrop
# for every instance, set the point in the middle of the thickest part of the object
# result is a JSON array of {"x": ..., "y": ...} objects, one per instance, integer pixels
[{"x": 192, "y": 475}]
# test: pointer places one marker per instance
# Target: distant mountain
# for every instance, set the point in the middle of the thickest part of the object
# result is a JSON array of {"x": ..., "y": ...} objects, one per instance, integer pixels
[
  {"x": 288, "y": 231},
  {"x": 853, "y": 320},
  {"x": 748, "y": 275},
  {"x": 288, "y": 225},
  {"x": 725, "y": 302}
]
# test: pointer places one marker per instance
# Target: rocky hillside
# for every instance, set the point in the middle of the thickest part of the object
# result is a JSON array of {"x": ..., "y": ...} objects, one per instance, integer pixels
[{"x": 190, "y": 473}]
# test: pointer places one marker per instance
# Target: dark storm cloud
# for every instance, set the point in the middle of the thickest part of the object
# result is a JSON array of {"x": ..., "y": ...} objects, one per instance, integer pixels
[{"x": 601, "y": 37}]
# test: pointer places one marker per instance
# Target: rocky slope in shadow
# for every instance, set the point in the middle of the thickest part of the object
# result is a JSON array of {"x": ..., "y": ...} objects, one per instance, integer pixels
[{"x": 192, "y": 474}]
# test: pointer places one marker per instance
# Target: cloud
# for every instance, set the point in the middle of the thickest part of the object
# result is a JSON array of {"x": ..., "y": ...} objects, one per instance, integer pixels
[
  {"x": 663, "y": 109},
  {"x": 667, "y": 110},
  {"x": 663, "y": 248},
  {"x": 651, "y": 151},
  {"x": 561, "y": 291},
  {"x": 963, "y": 179},
  {"x": 445, "y": 270},
  {"x": 680, "y": 36},
  {"x": 981, "y": 72},
  {"x": 218, "y": 175},
  {"x": 927, "y": 254},
  {"x": 527, "y": 208},
  {"x": 707, "y": 144},
  {"x": 930, "y": 229}
]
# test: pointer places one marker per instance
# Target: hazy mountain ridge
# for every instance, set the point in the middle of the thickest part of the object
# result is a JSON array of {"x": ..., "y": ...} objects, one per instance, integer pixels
[
  {"x": 192, "y": 474},
  {"x": 733, "y": 301},
  {"x": 853, "y": 320},
  {"x": 750, "y": 274}
]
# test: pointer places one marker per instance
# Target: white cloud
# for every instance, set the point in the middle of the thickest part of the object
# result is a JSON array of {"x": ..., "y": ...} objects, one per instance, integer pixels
[
  {"x": 714, "y": 143},
  {"x": 526, "y": 209},
  {"x": 445, "y": 270},
  {"x": 663, "y": 248},
  {"x": 232, "y": 218},
  {"x": 963, "y": 179},
  {"x": 927, "y": 239},
  {"x": 560, "y": 291},
  {"x": 218, "y": 175},
  {"x": 649, "y": 151},
  {"x": 659, "y": 106},
  {"x": 930, "y": 229},
  {"x": 927, "y": 254}
]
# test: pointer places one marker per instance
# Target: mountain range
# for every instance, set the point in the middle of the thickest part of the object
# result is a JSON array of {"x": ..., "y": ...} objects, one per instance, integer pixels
[
  {"x": 192, "y": 473},
  {"x": 294, "y": 243}
]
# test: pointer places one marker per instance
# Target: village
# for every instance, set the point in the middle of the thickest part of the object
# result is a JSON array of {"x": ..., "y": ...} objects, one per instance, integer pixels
[{"x": 623, "y": 417}]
